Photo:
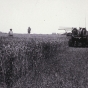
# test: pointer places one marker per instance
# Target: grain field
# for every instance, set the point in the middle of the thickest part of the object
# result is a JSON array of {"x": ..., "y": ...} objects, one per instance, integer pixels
[{"x": 42, "y": 61}]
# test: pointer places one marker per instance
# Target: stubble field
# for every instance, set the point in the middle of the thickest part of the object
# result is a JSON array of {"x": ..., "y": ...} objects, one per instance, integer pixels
[{"x": 42, "y": 61}]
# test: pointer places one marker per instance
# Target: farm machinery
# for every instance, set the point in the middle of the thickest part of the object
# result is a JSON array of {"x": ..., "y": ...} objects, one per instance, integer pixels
[{"x": 78, "y": 38}]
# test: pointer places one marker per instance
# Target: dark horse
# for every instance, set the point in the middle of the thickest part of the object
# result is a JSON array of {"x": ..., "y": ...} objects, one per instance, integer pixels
[
  {"x": 83, "y": 33},
  {"x": 84, "y": 37},
  {"x": 74, "y": 35}
]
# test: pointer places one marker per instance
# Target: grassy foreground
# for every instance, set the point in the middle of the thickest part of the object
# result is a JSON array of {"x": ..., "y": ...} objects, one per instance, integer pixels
[{"x": 42, "y": 61}]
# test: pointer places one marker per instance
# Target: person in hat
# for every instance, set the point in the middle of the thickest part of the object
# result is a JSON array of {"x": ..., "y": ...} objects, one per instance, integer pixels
[
  {"x": 10, "y": 32},
  {"x": 29, "y": 30},
  {"x": 80, "y": 31}
]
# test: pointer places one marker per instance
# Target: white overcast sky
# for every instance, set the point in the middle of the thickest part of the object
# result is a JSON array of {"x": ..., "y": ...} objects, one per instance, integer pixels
[{"x": 43, "y": 16}]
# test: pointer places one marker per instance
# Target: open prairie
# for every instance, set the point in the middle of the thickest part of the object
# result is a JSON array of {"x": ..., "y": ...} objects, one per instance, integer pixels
[{"x": 42, "y": 61}]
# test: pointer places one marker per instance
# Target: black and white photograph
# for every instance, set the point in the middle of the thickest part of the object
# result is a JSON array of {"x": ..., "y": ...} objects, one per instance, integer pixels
[{"x": 43, "y": 44}]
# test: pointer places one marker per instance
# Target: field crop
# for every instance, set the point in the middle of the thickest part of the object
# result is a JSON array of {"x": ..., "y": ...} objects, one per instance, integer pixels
[
  {"x": 22, "y": 55},
  {"x": 42, "y": 61}
]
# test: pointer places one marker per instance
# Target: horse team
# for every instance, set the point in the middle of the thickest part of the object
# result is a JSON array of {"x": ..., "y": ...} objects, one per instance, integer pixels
[{"x": 79, "y": 37}]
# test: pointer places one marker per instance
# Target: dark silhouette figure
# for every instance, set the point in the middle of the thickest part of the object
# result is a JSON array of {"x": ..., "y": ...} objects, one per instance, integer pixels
[
  {"x": 84, "y": 37},
  {"x": 80, "y": 32},
  {"x": 74, "y": 34},
  {"x": 29, "y": 30},
  {"x": 83, "y": 33},
  {"x": 10, "y": 32}
]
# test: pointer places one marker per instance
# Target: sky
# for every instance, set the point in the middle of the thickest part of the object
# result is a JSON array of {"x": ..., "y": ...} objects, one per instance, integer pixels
[{"x": 43, "y": 16}]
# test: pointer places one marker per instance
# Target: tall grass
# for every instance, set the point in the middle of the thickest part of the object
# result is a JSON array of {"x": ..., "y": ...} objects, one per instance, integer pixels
[
  {"x": 42, "y": 62},
  {"x": 27, "y": 55}
]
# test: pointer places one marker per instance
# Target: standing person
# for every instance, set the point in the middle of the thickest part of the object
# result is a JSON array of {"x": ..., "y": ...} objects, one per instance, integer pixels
[
  {"x": 80, "y": 30},
  {"x": 83, "y": 31},
  {"x": 10, "y": 32},
  {"x": 29, "y": 30}
]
